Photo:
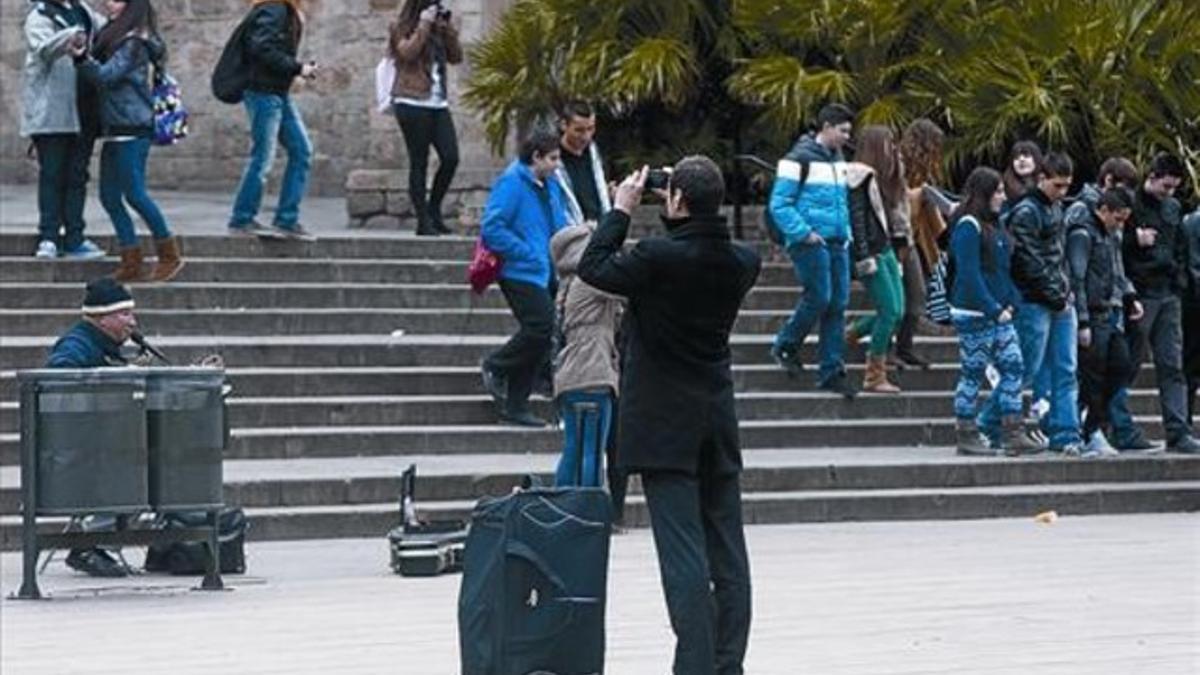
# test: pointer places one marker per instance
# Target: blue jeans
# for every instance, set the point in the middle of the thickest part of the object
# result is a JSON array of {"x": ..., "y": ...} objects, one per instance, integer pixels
[
  {"x": 823, "y": 270},
  {"x": 62, "y": 187},
  {"x": 273, "y": 119},
  {"x": 585, "y": 436},
  {"x": 1051, "y": 338},
  {"x": 123, "y": 180}
]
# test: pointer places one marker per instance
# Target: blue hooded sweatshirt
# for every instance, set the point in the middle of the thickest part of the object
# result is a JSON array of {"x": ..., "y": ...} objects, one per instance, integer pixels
[{"x": 518, "y": 221}]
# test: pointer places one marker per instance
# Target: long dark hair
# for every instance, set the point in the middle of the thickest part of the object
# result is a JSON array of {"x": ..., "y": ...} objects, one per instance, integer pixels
[
  {"x": 977, "y": 197},
  {"x": 877, "y": 149},
  {"x": 138, "y": 16},
  {"x": 406, "y": 23},
  {"x": 1016, "y": 186}
]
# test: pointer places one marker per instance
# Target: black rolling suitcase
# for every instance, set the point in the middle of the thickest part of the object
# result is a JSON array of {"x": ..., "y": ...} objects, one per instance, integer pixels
[
  {"x": 534, "y": 578},
  {"x": 424, "y": 548}
]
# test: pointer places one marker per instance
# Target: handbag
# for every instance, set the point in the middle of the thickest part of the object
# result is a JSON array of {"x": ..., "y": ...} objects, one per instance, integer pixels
[
  {"x": 484, "y": 269},
  {"x": 937, "y": 300},
  {"x": 385, "y": 76}
]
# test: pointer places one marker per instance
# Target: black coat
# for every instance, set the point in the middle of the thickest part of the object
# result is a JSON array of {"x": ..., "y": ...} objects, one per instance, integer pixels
[
  {"x": 271, "y": 45},
  {"x": 1038, "y": 262},
  {"x": 1191, "y": 230},
  {"x": 1158, "y": 271},
  {"x": 677, "y": 406}
]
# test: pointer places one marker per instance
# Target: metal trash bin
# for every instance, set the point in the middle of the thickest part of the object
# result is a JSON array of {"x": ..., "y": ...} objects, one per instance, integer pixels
[
  {"x": 187, "y": 433},
  {"x": 85, "y": 432}
]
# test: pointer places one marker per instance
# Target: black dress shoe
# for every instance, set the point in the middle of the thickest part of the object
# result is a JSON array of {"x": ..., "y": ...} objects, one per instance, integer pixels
[
  {"x": 495, "y": 384},
  {"x": 911, "y": 359},
  {"x": 95, "y": 563},
  {"x": 840, "y": 384},
  {"x": 522, "y": 418}
]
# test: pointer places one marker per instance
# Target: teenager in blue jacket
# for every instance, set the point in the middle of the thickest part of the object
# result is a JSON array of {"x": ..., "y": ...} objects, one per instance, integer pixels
[
  {"x": 524, "y": 210},
  {"x": 983, "y": 300}
]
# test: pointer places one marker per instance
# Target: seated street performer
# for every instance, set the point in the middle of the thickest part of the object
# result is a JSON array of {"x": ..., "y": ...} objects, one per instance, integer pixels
[{"x": 95, "y": 342}]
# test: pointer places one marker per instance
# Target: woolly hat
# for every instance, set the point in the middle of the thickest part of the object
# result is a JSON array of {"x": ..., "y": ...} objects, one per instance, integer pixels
[{"x": 105, "y": 296}]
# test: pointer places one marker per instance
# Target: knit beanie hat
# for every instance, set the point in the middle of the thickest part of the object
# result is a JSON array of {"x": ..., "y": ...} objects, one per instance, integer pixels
[{"x": 105, "y": 296}]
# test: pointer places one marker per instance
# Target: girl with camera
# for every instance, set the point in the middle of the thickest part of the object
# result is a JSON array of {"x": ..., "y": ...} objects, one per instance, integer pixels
[{"x": 423, "y": 44}]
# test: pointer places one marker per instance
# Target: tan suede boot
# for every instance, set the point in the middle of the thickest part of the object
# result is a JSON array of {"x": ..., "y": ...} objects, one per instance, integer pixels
[
  {"x": 875, "y": 380},
  {"x": 169, "y": 260},
  {"x": 130, "y": 268}
]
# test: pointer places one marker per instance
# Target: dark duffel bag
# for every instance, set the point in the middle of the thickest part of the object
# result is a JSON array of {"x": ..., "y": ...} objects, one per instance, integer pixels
[
  {"x": 535, "y": 571},
  {"x": 191, "y": 557}
]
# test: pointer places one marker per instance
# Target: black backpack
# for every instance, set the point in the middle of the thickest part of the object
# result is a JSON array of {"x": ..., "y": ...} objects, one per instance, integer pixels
[
  {"x": 191, "y": 557},
  {"x": 231, "y": 77},
  {"x": 769, "y": 224}
]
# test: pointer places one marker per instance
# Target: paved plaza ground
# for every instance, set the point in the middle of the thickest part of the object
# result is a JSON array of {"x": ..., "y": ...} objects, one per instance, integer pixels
[{"x": 1089, "y": 595}]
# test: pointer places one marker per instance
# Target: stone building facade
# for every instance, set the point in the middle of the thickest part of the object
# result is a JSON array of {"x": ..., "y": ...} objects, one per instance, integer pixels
[{"x": 347, "y": 37}]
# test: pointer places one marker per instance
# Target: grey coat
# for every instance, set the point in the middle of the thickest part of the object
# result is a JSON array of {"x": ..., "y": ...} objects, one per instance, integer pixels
[{"x": 48, "y": 102}]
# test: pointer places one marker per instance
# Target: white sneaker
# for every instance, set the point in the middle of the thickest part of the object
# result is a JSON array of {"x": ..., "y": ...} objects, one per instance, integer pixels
[
  {"x": 1098, "y": 447},
  {"x": 46, "y": 250}
]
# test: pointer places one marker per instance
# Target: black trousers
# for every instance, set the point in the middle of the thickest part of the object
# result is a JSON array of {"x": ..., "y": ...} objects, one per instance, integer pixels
[
  {"x": 1104, "y": 368},
  {"x": 527, "y": 353},
  {"x": 618, "y": 478},
  {"x": 914, "y": 300},
  {"x": 1161, "y": 333},
  {"x": 1191, "y": 354},
  {"x": 697, "y": 523},
  {"x": 62, "y": 186},
  {"x": 422, "y": 128}
]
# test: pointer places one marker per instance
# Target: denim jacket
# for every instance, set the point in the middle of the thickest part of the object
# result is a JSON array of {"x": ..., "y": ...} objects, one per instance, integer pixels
[{"x": 126, "y": 86}]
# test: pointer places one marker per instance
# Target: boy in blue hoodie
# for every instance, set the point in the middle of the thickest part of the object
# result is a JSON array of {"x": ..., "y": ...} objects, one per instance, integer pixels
[
  {"x": 523, "y": 211},
  {"x": 810, "y": 206}
]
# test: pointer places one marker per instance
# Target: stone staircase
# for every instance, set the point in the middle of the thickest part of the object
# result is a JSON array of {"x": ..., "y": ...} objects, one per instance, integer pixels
[{"x": 357, "y": 355}]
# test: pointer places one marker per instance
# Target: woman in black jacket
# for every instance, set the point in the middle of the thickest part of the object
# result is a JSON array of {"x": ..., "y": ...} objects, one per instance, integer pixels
[
  {"x": 276, "y": 27},
  {"x": 119, "y": 64}
]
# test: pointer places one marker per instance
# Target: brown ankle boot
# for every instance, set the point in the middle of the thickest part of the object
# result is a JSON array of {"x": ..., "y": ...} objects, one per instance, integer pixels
[
  {"x": 875, "y": 379},
  {"x": 130, "y": 268},
  {"x": 169, "y": 260}
]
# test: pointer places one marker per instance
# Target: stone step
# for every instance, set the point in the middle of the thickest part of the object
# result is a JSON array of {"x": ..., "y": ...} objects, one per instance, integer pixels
[
  {"x": 478, "y": 409},
  {"x": 383, "y": 350},
  {"x": 325, "y": 321},
  {"x": 375, "y": 480},
  {"x": 374, "y": 441},
  {"x": 1020, "y": 501},
  {"x": 380, "y": 270},
  {"x": 398, "y": 245},
  {"x": 433, "y": 381},
  {"x": 302, "y": 295}
]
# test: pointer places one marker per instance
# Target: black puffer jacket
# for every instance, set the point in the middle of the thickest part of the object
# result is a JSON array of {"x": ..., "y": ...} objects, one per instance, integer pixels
[
  {"x": 1157, "y": 271},
  {"x": 1097, "y": 274},
  {"x": 1038, "y": 268},
  {"x": 1191, "y": 229},
  {"x": 271, "y": 46}
]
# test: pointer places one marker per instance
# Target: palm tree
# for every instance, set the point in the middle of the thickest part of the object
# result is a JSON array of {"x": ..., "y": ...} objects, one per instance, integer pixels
[{"x": 1092, "y": 77}]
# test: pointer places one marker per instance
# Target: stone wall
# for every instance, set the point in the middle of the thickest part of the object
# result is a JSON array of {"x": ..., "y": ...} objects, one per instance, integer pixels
[{"x": 346, "y": 36}]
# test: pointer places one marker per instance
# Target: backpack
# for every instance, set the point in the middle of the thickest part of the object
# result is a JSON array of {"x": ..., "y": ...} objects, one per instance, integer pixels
[
  {"x": 191, "y": 557},
  {"x": 769, "y": 225},
  {"x": 170, "y": 115},
  {"x": 231, "y": 77}
]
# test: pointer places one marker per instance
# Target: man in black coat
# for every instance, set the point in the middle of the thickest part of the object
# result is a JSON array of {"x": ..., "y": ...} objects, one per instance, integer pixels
[
  {"x": 678, "y": 426},
  {"x": 1157, "y": 261}
]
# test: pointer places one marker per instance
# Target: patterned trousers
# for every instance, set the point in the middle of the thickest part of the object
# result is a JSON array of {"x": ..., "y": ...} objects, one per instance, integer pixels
[{"x": 982, "y": 341}]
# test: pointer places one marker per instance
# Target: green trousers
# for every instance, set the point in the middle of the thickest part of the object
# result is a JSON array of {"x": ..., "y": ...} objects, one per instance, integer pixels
[{"x": 886, "y": 288}]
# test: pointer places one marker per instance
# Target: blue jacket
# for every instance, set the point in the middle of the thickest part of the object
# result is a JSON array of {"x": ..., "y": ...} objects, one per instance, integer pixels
[
  {"x": 85, "y": 346},
  {"x": 518, "y": 221},
  {"x": 124, "y": 83},
  {"x": 982, "y": 272},
  {"x": 821, "y": 204}
]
